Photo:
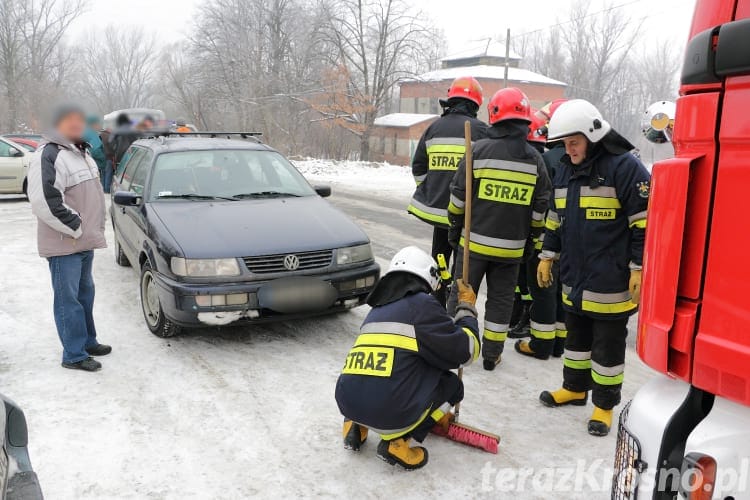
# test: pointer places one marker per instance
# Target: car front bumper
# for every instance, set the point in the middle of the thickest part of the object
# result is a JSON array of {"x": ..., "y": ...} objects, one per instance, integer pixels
[{"x": 344, "y": 289}]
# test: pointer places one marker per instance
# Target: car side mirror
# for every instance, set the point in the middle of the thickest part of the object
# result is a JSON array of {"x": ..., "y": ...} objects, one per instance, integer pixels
[
  {"x": 127, "y": 198},
  {"x": 16, "y": 153},
  {"x": 323, "y": 191}
]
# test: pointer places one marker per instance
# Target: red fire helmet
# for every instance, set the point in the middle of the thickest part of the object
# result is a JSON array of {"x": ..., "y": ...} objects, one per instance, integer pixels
[
  {"x": 509, "y": 104},
  {"x": 466, "y": 87},
  {"x": 537, "y": 127}
]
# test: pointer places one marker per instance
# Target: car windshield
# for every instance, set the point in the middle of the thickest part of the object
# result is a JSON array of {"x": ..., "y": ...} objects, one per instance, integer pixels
[{"x": 225, "y": 175}]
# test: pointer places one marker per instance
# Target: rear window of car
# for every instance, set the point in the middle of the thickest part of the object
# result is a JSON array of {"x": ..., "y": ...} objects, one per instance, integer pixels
[{"x": 225, "y": 174}]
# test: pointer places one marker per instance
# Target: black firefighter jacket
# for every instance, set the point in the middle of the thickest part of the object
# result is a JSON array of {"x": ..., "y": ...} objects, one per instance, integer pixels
[
  {"x": 435, "y": 161},
  {"x": 597, "y": 229},
  {"x": 511, "y": 190},
  {"x": 396, "y": 362}
]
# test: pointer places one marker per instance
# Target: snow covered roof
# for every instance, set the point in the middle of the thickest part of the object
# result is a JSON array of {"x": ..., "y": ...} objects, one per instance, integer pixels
[
  {"x": 489, "y": 73},
  {"x": 404, "y": 120},
  {"x": 491, "y": 49}
]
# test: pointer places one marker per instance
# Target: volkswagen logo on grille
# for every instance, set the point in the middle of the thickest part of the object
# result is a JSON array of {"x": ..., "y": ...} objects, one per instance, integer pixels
[{"x": 291, "y": 262}]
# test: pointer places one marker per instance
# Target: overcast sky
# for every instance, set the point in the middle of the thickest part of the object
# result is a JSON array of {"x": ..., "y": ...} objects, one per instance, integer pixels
[{"x": 462, "y": 20}]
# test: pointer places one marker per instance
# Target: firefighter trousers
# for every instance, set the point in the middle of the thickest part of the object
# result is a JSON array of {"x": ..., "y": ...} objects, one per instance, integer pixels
[
  {"x": 501, "y": 284},
  {"x": 548, "y": 329},
  {"x": 595, "y": 358},
  {"x": 440, "y": 245},
  {"x": 450, "y": 390}
]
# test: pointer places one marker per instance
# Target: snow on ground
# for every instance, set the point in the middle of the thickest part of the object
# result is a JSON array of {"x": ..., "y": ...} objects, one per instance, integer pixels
[{"x": 249, "y": 412}]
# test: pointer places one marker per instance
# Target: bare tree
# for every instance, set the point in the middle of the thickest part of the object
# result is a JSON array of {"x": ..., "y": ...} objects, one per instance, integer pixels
[
  {"x": 376, "y": 44},
  {"x": 122, "y": 63},
  {"x": 32, "y": 52}
]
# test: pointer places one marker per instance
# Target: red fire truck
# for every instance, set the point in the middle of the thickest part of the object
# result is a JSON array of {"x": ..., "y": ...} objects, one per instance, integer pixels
[{"x": 686, "y": 433}]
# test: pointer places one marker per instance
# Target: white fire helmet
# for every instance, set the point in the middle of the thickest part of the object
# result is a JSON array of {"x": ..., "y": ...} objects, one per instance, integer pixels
[
  {"x": 578, "y": 117},
  {"x": 417, "y": 262}
]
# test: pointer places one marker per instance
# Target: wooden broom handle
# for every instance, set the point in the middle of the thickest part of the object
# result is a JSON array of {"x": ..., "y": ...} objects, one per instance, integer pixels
[
  {"x": 469, "y": 156},
  {"x": 469, "y": 164}
]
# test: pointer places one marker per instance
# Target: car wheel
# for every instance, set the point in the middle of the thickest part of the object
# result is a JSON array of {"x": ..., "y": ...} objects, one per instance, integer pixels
[
  {"x": 156, "y": 321},
  {"x": 120, "y": 257}
]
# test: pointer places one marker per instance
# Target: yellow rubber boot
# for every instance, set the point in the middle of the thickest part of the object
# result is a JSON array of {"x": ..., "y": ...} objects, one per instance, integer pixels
[
  {"x": 354, "y": 435},
  {"x": 398, "y": 452},
  {"x": 600, "y": 422},
  {"x": 562, "y": 397}
]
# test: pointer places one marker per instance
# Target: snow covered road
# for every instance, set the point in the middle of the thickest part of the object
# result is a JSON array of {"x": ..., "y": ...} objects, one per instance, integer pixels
[{"x": 249, "y": 412}]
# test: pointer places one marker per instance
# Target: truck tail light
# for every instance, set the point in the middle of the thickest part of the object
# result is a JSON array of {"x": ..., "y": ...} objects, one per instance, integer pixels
[{"x": 698, "y": 476}]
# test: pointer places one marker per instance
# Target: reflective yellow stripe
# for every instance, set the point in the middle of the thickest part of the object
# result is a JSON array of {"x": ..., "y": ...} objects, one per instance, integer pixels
[
  {"x": 560, "y": 203},
  {"x": 575, "y": 364},
  {"x": 537, "y": 223},
  {"x": 395, "y": 435},
  {"x": 598, "y": 202},
  {"x": 495, "y": 336},
  {"x": 542, "y": 335},
  {"x": 601, "y": 213},
  {"x": 387, "y": 340},
  {"x": 640, "y": 224},
  {"x": 607, "y": 380},
  {"x": 561, "y": 334},
  {"x": 440, "y": 219},
  {"x": 613, "y": 308},
  {"x": 454, "y": 209},
  {"x": 445, "y": 156},
  {"x": 371, "y": 361},
  {"x": 566, "y": 300},
  {"x": 493, "y": 251},
  {"x": 504, "y": 175},
  {"x": 473, "y": 339},
  {"x": 552, "y": 225},
  {"x": 446, "y": 148}
]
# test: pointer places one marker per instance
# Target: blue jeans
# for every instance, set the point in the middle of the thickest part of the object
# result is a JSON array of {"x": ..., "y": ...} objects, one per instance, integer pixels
[
  {"x": 107, "y": 176},
  {"x": 73, "y": 285}
]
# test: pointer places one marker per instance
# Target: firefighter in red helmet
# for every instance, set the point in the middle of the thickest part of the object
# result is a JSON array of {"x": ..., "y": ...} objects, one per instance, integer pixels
[
  {"x": 510, "y": 194},
  {"x": 436, "y": 160}
]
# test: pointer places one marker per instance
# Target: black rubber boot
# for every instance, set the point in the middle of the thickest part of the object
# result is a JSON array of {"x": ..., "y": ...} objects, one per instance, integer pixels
[
  {"x": 87, "y": 365},
  {"x": 523, "y": 327},
  {"x": 354, "y": 435},
  {"x": 490, "y": 363},
  {"x": 99, "y": 350}
]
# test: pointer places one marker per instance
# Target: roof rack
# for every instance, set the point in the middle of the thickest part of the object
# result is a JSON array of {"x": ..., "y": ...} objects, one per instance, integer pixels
[{"x": 165, "y": 134}]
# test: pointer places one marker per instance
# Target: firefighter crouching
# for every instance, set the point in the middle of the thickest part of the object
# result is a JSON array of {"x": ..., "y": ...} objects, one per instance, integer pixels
[
  {"x": 436, "y": 160},
  {"x": 396, "y": 378},
  {"x": 596, "y": 229},
  {"x": 510, "y": 193}
]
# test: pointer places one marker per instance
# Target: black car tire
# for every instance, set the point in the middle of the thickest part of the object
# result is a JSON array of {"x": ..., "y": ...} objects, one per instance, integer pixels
[
  {"x": 153, "y": 313},
  {"x": 120, "y": 257}
]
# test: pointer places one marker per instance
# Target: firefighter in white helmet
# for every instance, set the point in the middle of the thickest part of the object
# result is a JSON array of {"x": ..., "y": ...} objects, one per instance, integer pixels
[
  {"x": 596, "y": 228},
  {"x": 396, "y": 378}
]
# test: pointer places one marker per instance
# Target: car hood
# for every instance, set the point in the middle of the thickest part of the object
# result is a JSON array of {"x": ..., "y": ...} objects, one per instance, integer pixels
[{"x": 256, "y": 227}]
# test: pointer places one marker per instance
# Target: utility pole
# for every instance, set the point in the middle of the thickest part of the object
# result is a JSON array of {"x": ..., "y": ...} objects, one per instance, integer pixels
[{"x": 507, "y": 56}]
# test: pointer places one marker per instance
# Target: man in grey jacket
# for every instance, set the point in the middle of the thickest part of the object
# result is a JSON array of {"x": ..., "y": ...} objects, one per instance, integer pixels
[{"x": 67, "y": 198}]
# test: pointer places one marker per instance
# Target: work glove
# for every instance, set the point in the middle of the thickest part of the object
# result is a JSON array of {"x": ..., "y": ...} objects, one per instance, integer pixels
[
  {"x": 635, "y": 285},
  {"x": 466, "y": 293},
  {"x": 544, "y": 273}
]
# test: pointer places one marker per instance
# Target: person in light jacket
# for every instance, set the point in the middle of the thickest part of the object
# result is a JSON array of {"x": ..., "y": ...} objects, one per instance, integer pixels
[{"x": 66, "y": 197}]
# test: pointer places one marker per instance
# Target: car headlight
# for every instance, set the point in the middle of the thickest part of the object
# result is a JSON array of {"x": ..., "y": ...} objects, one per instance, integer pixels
[
  {"x": 204, "y": 268},
  {"x": 352, "y": 255}
]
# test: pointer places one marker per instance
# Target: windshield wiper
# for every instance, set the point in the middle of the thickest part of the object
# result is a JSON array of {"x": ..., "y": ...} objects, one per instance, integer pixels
[
  {"x": 260, "y": 194},
  {"x": 195, "y": 196}
]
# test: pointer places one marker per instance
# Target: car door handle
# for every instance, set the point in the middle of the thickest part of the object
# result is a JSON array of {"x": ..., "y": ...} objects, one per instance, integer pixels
[{"x": 122, "y": 210}]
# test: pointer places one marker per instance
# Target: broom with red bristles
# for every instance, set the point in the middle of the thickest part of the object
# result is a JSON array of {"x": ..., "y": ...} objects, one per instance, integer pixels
[{"x": 462, "y": 433}]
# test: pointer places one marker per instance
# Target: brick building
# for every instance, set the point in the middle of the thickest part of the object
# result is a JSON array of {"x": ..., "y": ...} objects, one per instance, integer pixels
[
  {"x": 396, "y": 136},
  {"x": 419, "y": 96}
]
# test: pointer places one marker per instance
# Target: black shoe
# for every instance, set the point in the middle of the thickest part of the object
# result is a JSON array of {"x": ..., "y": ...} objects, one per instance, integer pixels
[
  {"x": 597, "y": 428},
  {"x": 99, "y": 350},
  {"x": 490, "y": 363},
  {"x": 87, "y": 365},
  {"x": 354, "y": 435}
]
